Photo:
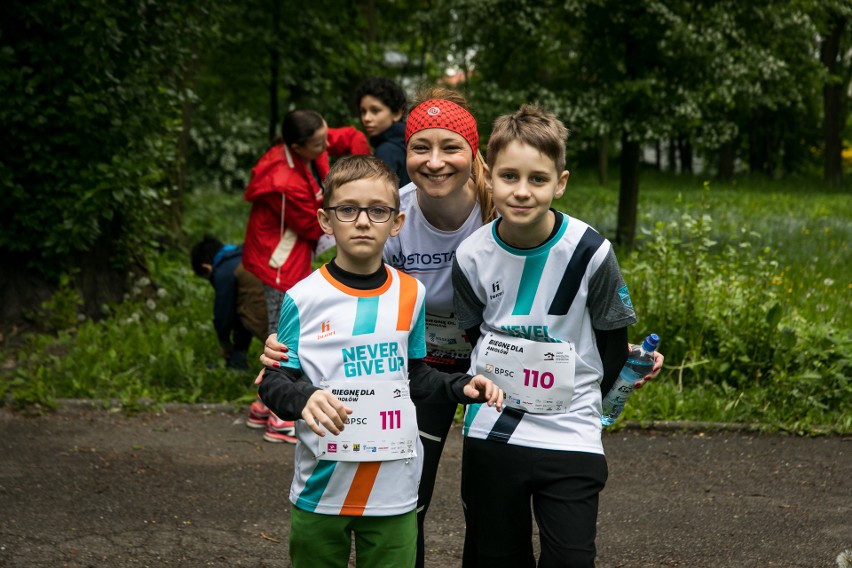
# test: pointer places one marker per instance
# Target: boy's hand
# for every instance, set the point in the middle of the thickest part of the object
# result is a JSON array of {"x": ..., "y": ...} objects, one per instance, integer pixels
[
  {"x": 273, "y": 352},
  {"x": 658, "y": 365},
  {"x": 484, "y": 390},
  {"x": 323, "y": 408}
]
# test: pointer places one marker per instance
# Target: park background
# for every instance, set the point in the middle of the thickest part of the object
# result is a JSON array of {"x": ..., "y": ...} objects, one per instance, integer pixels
[{"x": 710, "y": 141}]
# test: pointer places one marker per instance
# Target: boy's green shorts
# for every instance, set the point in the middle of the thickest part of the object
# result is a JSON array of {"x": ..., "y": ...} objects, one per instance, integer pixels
[{"x": 325, "y": 541}]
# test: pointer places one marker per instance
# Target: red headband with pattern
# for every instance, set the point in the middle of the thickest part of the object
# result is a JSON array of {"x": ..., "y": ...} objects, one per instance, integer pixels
[{"x": 440, "y": 113}]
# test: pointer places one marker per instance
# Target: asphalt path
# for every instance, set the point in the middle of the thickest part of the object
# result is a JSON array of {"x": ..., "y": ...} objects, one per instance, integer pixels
[{"x": 192, "y": 486}]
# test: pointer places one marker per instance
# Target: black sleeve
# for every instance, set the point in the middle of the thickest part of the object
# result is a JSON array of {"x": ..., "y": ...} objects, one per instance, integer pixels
[
  {"x": 612, "y": 345},
  {"x": 286, "y": 392},
  {"x": 466, "y": 305},
  {"x": 473, "y": 334},
  {"x": 428, "y": 383}
]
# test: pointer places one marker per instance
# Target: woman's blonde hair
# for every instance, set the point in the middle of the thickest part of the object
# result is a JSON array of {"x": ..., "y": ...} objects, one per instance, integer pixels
[{"x": 483, "y": 195}]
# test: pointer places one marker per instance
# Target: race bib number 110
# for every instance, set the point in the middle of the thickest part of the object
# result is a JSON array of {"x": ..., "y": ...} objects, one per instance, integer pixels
[{"x": 537, "y": 377}]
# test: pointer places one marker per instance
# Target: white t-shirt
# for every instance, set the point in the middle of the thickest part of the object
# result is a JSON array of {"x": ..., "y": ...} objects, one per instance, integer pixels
[
  {"x": 327, "y": 326},
  {"x": 561, "y": 290},
  {"x": 427, "y": 253}
]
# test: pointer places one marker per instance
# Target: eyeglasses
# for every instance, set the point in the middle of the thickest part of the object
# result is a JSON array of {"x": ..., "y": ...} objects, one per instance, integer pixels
[{"x": 375, "y": 213}]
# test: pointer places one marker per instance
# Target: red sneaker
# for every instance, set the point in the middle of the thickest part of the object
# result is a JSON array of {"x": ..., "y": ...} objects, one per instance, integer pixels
[
  {"x": 258, "y": 415},
  {"x": 278, "y": 431}
]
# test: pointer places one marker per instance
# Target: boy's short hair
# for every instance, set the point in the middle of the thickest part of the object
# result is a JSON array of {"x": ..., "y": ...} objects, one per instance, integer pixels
[
  {"x": 391, "y": 94},
  {"x": 203, "y": 253},
  {"x": 353, "y": 168},
  {"x": 533, "y": 126}
]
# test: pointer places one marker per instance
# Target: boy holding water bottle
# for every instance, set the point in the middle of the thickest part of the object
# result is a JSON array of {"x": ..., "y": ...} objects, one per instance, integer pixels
[
  {"x": 355, "y": 329},
  {"x": 542, "y": 295}
]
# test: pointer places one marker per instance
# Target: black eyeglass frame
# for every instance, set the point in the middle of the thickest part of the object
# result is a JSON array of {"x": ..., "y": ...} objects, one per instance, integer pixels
[{"x": 390, "y": 210}]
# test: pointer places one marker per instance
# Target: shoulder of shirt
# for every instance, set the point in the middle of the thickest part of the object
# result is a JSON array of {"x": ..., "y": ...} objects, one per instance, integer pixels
[
  {"x": 308, "y": 282},
  {"x": 407, "y": 195},
  {"x": 403, "y": 277},
  {"x": 579, "y": 226},
  {"x": 475, "y": 239}
]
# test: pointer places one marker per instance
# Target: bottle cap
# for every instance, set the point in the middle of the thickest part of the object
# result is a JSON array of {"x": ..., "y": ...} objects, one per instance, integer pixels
[{"x": 650, "y": 343}]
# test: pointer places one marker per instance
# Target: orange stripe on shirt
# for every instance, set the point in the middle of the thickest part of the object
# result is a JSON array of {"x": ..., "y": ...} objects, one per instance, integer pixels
[
  {"x": 359, "y": 491},
  {"x": 407, "y": 301},
  {"x": 354, "y": 291}
]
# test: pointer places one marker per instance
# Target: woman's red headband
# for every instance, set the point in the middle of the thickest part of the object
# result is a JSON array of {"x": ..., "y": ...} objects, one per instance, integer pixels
[{"x": 440, "y": 113}]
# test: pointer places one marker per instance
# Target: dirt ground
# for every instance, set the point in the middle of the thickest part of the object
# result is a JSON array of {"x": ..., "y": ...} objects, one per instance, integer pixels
[{"x": 193, "y": 486}]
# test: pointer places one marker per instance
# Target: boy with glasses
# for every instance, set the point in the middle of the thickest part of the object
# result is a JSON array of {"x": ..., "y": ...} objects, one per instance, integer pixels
[{"x": 355, "y": 329}]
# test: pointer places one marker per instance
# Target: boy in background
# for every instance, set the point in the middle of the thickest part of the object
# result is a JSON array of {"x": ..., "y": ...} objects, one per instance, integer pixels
[
  {"x": 239, "y": 309},
  {"x": 355, "y": 329},
  {"x": 543, "y": 294},
  {"x": 382, "y": 105}
]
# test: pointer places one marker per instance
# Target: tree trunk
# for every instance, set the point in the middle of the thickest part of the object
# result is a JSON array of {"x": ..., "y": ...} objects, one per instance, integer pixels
[
  {"x": 368, "y": 34},
  {"x": 832, "y": 96},
  {"x": 628, "y": 196},
  {"x": 726, "y": 160},
  {"x": 685, "y": 147},
  {"x": 672, "y": 154},
  {"x": 769, "y": 146},
  {"x": 274, "y": 68},
  {"x": 603, "y": 158},
  {"x": 658, "y": 155},
  {"x": 96, "y": 279},
  {"x": 755, "y": 147}
]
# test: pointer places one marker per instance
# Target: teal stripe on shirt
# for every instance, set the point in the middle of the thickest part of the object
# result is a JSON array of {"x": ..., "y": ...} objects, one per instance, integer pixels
[
  {"x": 470, "y": 413},
  {"x": 366, "y": 315},
  {"x": 310, "y": 496},
  {"x": 528, "y": 286}
]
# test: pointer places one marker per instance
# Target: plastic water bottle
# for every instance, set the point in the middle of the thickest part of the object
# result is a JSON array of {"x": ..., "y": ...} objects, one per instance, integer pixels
[{"x": 639, "y": 363}]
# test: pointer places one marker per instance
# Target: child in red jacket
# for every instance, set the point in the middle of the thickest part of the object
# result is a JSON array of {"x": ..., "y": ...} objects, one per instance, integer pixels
[{"x": 285, "y": 192}]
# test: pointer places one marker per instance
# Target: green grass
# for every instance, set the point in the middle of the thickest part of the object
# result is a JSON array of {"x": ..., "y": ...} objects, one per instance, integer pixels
[
  {"x": 806, "y": 225},
  {"x": 747, "y": 283}
]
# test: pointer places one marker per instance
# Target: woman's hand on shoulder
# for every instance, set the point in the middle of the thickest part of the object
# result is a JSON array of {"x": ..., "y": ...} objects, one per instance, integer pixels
[{"x": 273, "y": 352}]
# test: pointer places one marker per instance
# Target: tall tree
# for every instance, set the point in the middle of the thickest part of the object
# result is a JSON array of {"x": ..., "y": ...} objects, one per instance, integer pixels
[
  {"x": 834, "y": 29},
  {"x": 91, "y": 104}
]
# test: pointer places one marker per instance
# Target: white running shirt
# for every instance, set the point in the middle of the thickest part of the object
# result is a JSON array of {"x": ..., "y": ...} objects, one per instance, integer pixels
[
  {"x": 563, "y": 290},
  {"x": 427, "y": 253},
  {"x": 324, "y": 322}
]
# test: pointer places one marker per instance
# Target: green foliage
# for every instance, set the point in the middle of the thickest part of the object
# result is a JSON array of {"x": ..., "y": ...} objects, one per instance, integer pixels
[
  {"x": 62, "y": 310},
  {"x": 224, "y": 149},
  {"x": 158, "y": 346},
  {"x": 89, "y": 114}
]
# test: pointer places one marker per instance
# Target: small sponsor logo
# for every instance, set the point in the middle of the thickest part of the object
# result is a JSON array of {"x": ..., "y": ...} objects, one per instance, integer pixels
[
  {"x": 625, "y": 296},
  {"x": 325, "y": 330}
]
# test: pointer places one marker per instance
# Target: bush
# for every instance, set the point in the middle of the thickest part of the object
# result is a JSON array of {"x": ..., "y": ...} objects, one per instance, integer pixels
[
  {"x": 89, "y": 117},
  {"x": 159, "y": 346},
  {"x": 224, "y": 150},
  {"x": 727, "y": 329}
]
